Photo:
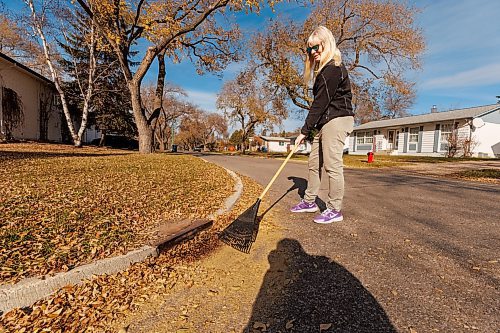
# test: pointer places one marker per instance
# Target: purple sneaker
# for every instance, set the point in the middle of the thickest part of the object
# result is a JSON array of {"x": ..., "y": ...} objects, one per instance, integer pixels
[
  {"x": 329, "y": 216},
  {"x": 304, "y": 207}
]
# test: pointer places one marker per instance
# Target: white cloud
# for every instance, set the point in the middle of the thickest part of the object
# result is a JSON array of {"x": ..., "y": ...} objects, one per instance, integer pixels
[
  {"x": 204, "y": 99},
  {"x": 460, "y": 26},
  {"x": 482, "y": 76},
  {"x": 233, "y": 69}
]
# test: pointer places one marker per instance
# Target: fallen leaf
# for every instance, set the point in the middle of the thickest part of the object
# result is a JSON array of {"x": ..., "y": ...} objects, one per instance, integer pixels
[
  {"x": 289, "y": 324},
  {"x": 124, "y": 329},
  {"x": 324, "y": 327},
  {"x": 259, "y": 326}
]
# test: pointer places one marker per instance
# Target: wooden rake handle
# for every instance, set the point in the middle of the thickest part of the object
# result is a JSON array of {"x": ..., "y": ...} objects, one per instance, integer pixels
[{"x": 295, "y": 148}]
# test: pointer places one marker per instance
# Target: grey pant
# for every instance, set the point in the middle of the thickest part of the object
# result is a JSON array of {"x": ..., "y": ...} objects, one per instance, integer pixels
[{"x": 327, "y": 151}]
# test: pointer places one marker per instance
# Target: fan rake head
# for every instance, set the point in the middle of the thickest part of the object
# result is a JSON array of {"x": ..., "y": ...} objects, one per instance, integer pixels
[{"x": 242, "y": 232}]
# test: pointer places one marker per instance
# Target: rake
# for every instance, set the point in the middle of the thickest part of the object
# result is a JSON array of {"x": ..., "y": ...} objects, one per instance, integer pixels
[{"x": 242, "y": 232}]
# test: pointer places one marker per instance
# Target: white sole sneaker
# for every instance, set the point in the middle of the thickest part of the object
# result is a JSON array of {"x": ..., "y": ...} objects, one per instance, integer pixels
[
  {"x": 308, "y": 210},
  {"x": 335, "y": 219}
]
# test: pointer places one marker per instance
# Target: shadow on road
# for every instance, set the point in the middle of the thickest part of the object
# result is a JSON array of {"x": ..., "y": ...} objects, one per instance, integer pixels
[
  {"x": 302, "y": 292},
  {"x": 299, "y": 184}
]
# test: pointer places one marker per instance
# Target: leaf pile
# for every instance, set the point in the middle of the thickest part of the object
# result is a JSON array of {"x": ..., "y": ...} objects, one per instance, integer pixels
[
  {"x": 61, "y": 207},
  {"x": 98, "y": 305}
]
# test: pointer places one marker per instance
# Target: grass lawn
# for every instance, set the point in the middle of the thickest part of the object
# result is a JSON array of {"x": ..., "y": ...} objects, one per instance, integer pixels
[
  {"x": 61, "y": 207},
  {"x": 360, "y": 161}
]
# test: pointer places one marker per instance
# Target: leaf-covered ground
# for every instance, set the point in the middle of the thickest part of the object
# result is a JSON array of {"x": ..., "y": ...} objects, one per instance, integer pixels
[
  {"x": 482, "y": 175},
  {"x": 61, "y": 207},
  {"x": 102, "y": 303}
]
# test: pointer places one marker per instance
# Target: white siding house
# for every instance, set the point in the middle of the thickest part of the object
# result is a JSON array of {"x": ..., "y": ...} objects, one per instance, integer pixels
[
  {"x": 275, "y": 144},
  {"x": 427, "y": 134}
]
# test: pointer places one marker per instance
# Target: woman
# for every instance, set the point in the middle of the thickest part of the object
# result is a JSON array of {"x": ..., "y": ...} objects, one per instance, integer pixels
[{"x": 330, "y": 119}]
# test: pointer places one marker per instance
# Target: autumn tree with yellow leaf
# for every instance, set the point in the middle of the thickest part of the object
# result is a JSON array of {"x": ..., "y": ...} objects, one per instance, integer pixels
[
  {"x": 176, "y": 29},
  {"x": 249, "y": 102},
  {"x": 17, "y": 43},
  {"x": 379, "y": 43},
  {"x": 200, "y": 128}
]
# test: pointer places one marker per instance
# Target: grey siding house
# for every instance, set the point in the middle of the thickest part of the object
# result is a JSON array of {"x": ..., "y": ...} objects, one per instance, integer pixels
[{"x": 427, "y": 134}]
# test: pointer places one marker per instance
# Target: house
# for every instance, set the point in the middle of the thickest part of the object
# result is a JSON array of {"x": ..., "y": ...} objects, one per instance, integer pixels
[
  {"x": 429, "y": 134},
  {"x": 275, "y": 144},
  {"x": 27, "y": 103},
  {"x": 29, "y": 106}
]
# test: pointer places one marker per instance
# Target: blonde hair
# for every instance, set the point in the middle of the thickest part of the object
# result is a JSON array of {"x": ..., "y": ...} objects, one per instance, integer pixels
[{"x": 321, "y": 35}]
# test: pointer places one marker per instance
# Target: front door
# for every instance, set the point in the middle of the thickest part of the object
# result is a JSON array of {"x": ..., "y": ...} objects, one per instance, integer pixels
[
  {"x": 396, "y": 140},
  {"x": 390, "y": 140}
]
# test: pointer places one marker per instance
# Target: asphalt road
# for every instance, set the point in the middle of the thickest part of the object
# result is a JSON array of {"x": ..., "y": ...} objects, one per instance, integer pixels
[{"x": 413, "y": 254}]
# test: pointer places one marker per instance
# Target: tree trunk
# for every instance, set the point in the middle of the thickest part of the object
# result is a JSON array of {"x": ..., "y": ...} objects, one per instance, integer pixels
[
  {"x": 145, "y": 131},
  {"x": 102, "y": 142},
  {"x": 162, "y": 146}
]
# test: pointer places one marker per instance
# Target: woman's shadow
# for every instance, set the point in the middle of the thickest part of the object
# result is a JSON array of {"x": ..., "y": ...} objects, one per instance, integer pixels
[{"x": 303, "y": 293}]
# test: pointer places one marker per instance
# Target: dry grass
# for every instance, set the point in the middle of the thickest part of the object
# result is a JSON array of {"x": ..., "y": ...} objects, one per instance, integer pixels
[{"x": 61, "y": 207}]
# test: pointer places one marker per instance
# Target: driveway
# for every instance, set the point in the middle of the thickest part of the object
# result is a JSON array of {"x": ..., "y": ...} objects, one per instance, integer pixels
[{"x": 414, "y": 253}]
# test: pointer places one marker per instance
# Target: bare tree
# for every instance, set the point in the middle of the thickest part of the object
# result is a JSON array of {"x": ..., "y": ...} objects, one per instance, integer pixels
[
  {"x": 12, "y": 111},
  {"x": 169, "y": 109},
  {"x": 39, "y": 24}
]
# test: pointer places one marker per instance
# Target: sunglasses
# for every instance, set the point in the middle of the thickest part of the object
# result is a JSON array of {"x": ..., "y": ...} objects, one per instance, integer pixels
[{"x": 311, "y": 48}]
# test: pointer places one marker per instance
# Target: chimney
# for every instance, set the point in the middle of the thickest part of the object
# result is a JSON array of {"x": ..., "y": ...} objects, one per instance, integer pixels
[{"x": 434, "y": 109}]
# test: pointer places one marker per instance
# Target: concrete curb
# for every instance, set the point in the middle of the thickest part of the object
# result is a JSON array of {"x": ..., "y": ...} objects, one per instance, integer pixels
[
  {"x": 30, "y": 290},
  {"x": 231, "y": 200}
]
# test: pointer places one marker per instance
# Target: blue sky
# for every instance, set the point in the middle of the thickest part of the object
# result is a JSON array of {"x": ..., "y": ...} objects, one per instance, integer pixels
[{"x": 461, "y": 66}]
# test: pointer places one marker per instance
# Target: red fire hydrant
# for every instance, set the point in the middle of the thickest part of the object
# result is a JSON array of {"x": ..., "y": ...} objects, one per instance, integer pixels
[{"x": 370, "y": 157}]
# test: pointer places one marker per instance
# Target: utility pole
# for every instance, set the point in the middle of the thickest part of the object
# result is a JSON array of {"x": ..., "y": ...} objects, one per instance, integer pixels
[{"x": 172, "y": 135}]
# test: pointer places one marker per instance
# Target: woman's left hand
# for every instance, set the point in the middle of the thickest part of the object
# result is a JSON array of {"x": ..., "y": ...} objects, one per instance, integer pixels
[{"x": 299, "y": 139}]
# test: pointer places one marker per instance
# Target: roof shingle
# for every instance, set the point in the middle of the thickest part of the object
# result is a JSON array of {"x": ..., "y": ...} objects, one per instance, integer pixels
[{"x": 430, "y": 117}]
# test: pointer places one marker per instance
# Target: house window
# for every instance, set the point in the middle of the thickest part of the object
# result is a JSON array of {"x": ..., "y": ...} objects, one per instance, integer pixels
[
  {"x": 364, "y": 137},
  {"x": 282, "y": 143},
  {"x": 446, "y": 130},
  {"x": 414, "y": 134}
]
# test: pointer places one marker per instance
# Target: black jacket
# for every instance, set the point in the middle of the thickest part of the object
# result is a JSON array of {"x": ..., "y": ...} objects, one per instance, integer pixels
[{"x": 332, "y": 97}]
